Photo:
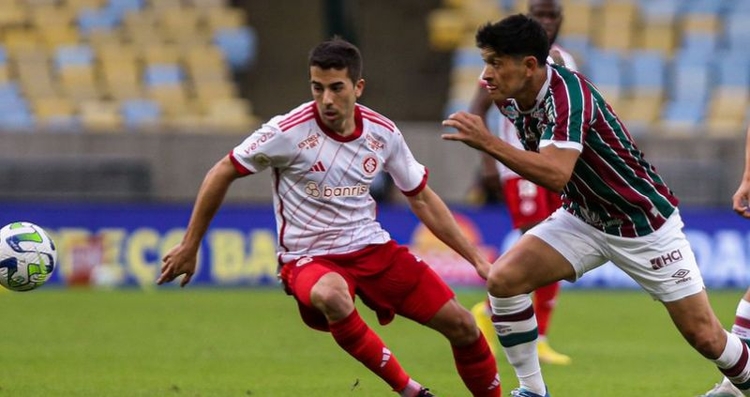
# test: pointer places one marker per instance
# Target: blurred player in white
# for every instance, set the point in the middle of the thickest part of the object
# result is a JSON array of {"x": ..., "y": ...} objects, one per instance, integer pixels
[
  {"x": 741, "y": 326},
  {"x": 527, "y": 203},
  {"x": 324, "y": 155}
]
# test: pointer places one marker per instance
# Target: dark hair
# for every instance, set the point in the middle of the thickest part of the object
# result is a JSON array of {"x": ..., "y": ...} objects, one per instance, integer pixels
[
  {"x": 338, "y": 54},
  {"x": 517, "y": 36}
]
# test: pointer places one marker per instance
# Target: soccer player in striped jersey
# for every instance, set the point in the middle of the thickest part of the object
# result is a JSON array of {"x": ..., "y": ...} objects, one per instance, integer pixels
[
  {"x": 527, "y": 203},
  {"x": 741, "y": 326},
  {"x": 616, "y": 207},
  {"x": 324, "y": 155}
]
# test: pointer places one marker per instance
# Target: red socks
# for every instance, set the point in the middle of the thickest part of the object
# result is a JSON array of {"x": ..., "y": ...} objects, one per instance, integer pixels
[
  {"x": 544, "y": 303},
  {"x": 354, "y": 336},
  {"x": 477, "y": 367}
]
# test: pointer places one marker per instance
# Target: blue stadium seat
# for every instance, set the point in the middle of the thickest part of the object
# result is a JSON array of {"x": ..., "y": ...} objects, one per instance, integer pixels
[
  {"x": 10, "y": 93},
  {"x": 737, "y": 7},
  {"x": 737, "y": 30},
  {"x": 140, "y": 112},
  {"x": 125, "y": 5},
  {"x": 690, "y": 82},
  {"x": 706, "y": 6},
  {"x": 162, "y": 74},
  {"x": 239, "y": 45},
  {"x": 467, "y": 57},
  {"x": 578, "y": 45},
  {"x": 16, "y": 121},
  {"x": 733, "y": 69},
  {"x": 14, "y": 110},
  {"x": 90, "y": 19},
  {"x": 647, "y": 71},
  {"x": 73, "y": 55},
  {"x": 661, "y": 9},
  {"x": 605, "y": 68},
  {"x": 684, "y": 113},
  {"x": 698, "y": 45}
]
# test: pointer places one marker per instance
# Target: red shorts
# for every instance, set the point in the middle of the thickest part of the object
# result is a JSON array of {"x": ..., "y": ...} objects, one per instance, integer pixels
[
  {"x": 387, "y": 277},
  {"x": 528, "y": 203}
]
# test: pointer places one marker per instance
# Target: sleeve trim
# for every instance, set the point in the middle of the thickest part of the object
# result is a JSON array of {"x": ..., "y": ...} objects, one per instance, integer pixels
[
  {"x": 241, "y": 169},
  {"x": 419, "y": 187}
]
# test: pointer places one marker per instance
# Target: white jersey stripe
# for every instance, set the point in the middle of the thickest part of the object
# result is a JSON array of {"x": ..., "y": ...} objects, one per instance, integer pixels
[
  {"x": 296, "y": 118},
  {"x": 377, "y": 118}
]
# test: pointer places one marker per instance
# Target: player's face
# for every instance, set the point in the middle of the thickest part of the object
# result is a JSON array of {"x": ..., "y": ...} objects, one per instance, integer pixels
[
  {"x": 506, "y": 76},
  {"x": 549, "y": 14},
  {"x": 335, "y": 94}
]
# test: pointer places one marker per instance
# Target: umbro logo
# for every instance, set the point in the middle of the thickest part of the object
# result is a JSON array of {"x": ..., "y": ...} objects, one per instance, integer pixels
[{"x": 318, "y": 167}]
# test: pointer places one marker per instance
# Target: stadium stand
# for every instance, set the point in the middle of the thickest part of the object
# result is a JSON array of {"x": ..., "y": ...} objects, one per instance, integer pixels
[
  {"x": 94, "y": 65},
  {"x": 669, "y": 65}
]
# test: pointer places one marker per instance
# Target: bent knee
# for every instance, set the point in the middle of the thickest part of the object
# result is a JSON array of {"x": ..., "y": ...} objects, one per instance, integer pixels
[
  {"x": 458, "y": 326},
  {"x": 332, "y": 298},
  {"x": 503, "y": 285}
]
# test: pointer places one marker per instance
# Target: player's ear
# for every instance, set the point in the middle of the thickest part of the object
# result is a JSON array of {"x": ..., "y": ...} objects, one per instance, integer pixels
[
  {"x": 359, "y": 87},
  {"x": 530, "y": 63}
]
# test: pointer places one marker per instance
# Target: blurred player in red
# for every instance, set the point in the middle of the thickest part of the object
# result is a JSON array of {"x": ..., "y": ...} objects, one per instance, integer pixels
[
  {"x": 527, "y": 203},
  {"x": 324, "y": 155}
]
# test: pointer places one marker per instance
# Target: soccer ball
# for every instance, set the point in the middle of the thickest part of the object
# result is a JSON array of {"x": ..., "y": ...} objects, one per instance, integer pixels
[{"x": 27, "y": 256}]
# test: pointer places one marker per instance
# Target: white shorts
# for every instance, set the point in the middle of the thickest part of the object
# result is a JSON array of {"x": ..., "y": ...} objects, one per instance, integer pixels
[{"x": 662, "y": 263}]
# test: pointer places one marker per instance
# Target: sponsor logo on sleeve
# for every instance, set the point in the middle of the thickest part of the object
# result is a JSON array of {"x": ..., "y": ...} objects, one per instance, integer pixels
[
  {"x": 262, "y": 137},
  {"x": 262, "y": 159}
]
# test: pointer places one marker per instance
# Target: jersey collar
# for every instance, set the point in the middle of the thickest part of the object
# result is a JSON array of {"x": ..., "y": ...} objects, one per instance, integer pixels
[
  {"x": 539, "y": 96},
  {"x": 335, "y": 136}
]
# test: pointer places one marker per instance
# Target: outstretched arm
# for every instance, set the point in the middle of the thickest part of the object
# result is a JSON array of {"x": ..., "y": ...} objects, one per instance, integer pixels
[
  {"x": 741, "y": 198},
  {"x": 433, "y": 212},
  {"x": 182, "y": 258},
  {"x": 480, "y": 104},
  {"x": 551, "y": 168}
]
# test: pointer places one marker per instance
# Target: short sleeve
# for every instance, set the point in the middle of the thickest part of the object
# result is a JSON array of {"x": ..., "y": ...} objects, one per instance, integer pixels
[
  {"x": 408, "y": 175},
  {"x": 568, "y": 111},
  {"x": 266, "y": 147}
]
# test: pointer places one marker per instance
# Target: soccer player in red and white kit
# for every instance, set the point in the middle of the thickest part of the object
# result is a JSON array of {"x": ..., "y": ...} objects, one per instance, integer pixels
[
  {"x": 616, "y": 207},
  {"x": 527, "y": 203},
  {"x": 323, "y": 155}
]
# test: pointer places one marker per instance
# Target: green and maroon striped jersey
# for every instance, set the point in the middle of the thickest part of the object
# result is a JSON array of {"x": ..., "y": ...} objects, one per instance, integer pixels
[{"x": 613, "y": 187}]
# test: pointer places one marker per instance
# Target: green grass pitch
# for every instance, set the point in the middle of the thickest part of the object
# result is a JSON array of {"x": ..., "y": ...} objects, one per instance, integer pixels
[{"x": 250, "y": 342}]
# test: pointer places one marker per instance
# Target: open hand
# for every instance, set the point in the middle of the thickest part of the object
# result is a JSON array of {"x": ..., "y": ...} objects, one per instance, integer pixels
[
  {"x": 178, "y": 261},
  {"x": 483, "y": 269},
  {"x": 741, "y": 200},
  {"x": 470, "y": 130}
]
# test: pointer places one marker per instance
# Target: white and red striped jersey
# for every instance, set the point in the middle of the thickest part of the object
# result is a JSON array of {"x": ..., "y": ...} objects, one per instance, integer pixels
[
  {"x": 321, "y": 180},
  {"x": 508, "y": 132}
]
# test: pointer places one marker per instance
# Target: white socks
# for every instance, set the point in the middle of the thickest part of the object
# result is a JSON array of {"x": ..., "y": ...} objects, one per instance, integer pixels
[{"x": 516, "y": 329}]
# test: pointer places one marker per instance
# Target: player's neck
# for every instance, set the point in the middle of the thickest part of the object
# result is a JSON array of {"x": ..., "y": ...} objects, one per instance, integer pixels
[
  {"x": 347, "y": 128},
  {"x": 527, "y": 100}
]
